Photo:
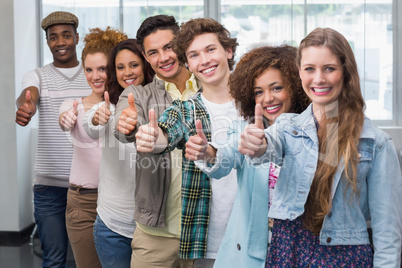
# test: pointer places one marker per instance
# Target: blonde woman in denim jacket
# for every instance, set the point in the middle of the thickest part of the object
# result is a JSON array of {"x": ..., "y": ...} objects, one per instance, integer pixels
[{"x": 338, "y": 170}]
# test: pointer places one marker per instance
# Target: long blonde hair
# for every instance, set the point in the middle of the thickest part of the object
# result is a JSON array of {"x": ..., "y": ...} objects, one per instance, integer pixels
[{"x": 339, "y": 137}]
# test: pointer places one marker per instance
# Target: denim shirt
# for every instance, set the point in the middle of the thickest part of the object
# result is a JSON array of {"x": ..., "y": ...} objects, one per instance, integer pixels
[{"x": 293, "y": 144}]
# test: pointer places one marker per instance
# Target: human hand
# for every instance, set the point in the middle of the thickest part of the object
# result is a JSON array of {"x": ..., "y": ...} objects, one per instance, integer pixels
[
  {"x": 128, "y": 117},
  {"x": 252, "y": 141},
  {"x": 26, "y": 110},
  {"x": 147, "y": 135},
  {"x": 197, "y": 145},
  {"x": 68, "y": 119},
  {"x": 102, "y": 115}
]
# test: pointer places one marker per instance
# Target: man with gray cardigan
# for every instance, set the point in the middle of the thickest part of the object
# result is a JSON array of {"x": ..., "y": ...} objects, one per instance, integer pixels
[{"x": 156, "y": 239}]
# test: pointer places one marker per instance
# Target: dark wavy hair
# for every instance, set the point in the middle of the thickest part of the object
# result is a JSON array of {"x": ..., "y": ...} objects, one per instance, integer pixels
[
  {"x": 195, "y": 27},
  {"x": 155, "y": 23},
  {"x": 256, "y": 62},
  {"x": 112, "y": 85}
]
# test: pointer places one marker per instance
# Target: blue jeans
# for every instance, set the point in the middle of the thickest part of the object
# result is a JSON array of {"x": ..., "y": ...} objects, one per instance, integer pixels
[
  {"x": 50, "y": 216},
  {"x": 114, "y": 250}
]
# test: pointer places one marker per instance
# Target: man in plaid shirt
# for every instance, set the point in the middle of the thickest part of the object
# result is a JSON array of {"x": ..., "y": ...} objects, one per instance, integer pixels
[{"x": 206, "y": 47}]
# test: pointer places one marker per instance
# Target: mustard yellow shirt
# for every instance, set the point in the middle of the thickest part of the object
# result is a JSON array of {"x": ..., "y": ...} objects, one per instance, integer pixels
[{"x": 173, "y": 203}]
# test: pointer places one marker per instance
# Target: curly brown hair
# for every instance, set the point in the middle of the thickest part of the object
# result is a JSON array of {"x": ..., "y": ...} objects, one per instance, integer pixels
[
  {"x": 253, "y": 64},
  {"x": 101, "y": 41},
  {"x": 195, "y": 27}
]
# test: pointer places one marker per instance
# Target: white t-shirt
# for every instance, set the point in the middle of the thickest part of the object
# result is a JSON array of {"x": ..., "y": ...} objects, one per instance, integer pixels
[
  {"x": 31, "y": 78},
  {"x": 224, "y": 189},
  {"x": 116, "y": 188}
]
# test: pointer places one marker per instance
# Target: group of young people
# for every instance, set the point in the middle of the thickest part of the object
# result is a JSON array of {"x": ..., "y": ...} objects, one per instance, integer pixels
[{"x": 182, "y": 159}]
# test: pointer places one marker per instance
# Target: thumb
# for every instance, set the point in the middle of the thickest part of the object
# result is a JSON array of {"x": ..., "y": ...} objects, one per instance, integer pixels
[
  {"x": 131, "y": 102},
  {"x": 258, "y": 116},
  {"x": 152, "y": 119},
  {"x": 107, "y": 100},
  {"x": 198, "y": 127},
  {"x": 28, "y": 96},
  {"x": 75, "y": 107}
]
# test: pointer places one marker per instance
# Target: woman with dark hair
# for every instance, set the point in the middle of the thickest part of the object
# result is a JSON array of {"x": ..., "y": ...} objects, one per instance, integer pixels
[
  {"x": 126, "y": 66},
  {"x": 127, "y": 56},
  {"x": 338, "y": 170},
  {"x": 269, "y": 76},
  {"x": 115, "y": 225}
]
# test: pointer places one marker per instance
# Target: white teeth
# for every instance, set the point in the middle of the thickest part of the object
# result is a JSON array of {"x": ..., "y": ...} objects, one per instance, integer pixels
[
  {"x": 129, "y": 81},
  {"x": 320, "y": 90},
  {"x": 272, "y": 107},
  {"x": 167, "y": 66},
  {"x": 62, "y": 50},
  {"x": 207, "y": 71},
  {"x": 98, "y": 84}
]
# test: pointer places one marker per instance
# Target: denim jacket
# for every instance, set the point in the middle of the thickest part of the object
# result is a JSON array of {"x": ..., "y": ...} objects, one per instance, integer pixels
[
  {"x": 293, "y": 144},
  {"x": 246, "y": 237}
]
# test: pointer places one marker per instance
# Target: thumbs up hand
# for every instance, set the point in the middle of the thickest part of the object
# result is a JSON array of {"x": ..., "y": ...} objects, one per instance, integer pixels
[
  {"x": 26, "y": 110},
  {"x": 68, "y": 119},
  {"x": 147, "y": 135},
  {"x": 128, "y": 117},
  {"x": 252, "y": 141},
  {"x": 102, "y": 115},
  {"x": 197, "y": 147}
]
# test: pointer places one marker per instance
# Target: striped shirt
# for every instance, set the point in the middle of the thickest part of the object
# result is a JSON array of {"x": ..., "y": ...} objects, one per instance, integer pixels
[
  {"x": 54, "y": 148},
  {"x": 178, "y": 121}
]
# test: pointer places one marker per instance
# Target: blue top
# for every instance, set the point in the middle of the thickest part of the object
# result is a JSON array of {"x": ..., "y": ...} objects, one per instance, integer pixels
[
  {"x": 246, "y": 237},
  {"x": 293, "y": 143}
]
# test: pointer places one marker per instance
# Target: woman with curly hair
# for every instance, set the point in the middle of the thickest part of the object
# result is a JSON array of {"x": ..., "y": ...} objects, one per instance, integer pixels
[
  {"x": 84, "y": 176},
  {"x": 338, "y": 170},
  {"x": 114, "y": 225},
  {"x": 269, "y": 76}
]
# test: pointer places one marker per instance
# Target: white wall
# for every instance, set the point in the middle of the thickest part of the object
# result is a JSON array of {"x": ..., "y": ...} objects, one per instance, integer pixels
[
  {"x": 396, "y": 134},
  {"x": 8, "y": 180},
  {"x": 18, "y": 52}
]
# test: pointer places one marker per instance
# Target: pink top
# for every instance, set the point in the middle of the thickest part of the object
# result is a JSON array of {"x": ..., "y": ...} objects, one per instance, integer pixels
[{"x": 86, "y": 156}]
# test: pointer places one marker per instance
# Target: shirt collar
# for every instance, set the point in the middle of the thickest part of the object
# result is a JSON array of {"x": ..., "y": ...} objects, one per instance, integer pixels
[{"x": 191, "y": 87}]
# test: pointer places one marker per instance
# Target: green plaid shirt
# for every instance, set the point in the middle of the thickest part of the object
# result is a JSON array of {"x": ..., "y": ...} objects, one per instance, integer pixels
[{"x": 178, "y": 122}]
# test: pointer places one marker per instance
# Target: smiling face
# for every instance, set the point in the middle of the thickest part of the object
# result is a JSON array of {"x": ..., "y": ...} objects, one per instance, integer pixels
[
  {"x": 321, "y": 73},
  {"x": 129, "y": 68},
  {"x": 208, "y": 60},
  {"x": 62, "y": 41},
  {"x": 159, "y": 54},
  {"x": 271, "y": 93},
  {"x": 95, "y": 72}
]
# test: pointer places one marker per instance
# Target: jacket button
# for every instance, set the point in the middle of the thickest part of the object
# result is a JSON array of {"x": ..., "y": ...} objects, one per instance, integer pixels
[
  {"x": 238, "y": 247},
  {"x": 329, "y": 240},
  {"x": 330, "y": 214},
  {"x": 294, "y": 132}
]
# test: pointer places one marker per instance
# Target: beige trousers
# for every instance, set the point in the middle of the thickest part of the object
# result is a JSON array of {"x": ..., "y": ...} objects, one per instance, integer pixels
[
  {"x": 80, "y": 218},
  {"x": 151, "y": 251}
]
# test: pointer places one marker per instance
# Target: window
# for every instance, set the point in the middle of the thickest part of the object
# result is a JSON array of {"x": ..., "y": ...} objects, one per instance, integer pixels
[
  {"x": 367, "y": 24},
  {"x": 136, "y": 11}
]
